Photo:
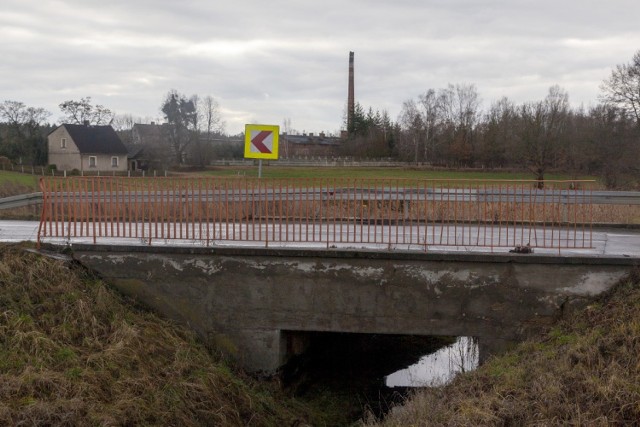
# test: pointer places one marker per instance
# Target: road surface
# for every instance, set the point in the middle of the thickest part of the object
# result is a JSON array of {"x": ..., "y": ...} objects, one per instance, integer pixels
[{"x": 604, "y": 242}]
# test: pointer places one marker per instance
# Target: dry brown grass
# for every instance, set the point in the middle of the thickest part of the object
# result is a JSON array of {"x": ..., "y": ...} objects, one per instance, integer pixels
[
  {"x": 73, "y": 353},
  {"x": 585, "y": 371}
]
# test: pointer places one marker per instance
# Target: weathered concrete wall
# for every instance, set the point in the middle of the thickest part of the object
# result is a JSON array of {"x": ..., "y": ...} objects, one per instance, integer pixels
[{"x": 241, "y": 300}]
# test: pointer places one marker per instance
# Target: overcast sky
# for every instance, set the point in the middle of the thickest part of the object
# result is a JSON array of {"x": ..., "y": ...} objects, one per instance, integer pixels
[{"x": 265, "y": 61}]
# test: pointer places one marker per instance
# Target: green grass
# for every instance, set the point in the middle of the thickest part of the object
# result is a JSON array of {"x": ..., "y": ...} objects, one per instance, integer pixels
[{"x": 19, "y": 179}]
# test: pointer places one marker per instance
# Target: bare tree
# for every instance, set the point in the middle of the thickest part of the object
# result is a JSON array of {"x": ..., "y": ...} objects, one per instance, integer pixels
[
  {"x": 211, "y": 118},
  {"x": 22, "y": 119},
  {"x": 459, "y": 112},
  {"x": 123, "y": 125},
  {"x": 428, "y": 102},
  {"x": 498, "y": 133},
  {"x": 623, "y": 87},
  {"x": 542, "y": 129},
  {"x": 80, "y": 112},
  {"x": 411, "y": 126}
]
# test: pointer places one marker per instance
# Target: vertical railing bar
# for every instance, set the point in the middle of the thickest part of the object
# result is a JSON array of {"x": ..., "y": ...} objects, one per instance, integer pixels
[
  {"x": 333, "y": 220},
  {"x": 56, "y": 203},
  {"x": 372, "y": 210},
  {"x": 339, "y": 213},
  {"x": 101, "y": 206},
  {"x": 215, "y": 205},
  {"x": 98, "y": 205},
  {"x": 174, "y": 186},
  {"x": 575, "y": 213},
  {"x": 591, "y": 216},
  {"x": 290, "y": 222},
  {"x": 515, "y": 215},
  {"x": 158, "y": 208},
  {"x": 208, "y": 190},
  {"x": 72, "y": 209},
  {"x": 463, "y": 208},
  {"x": 109, "y": 232},
  {"x": 389, "y": 214},
  {"x": 236, "y": 188},
  {"x": 93, "y": 209},
  {"x": 352, "y": 212},
  {"x": 165, "y": 207},
  {"x": 485, "y": 217},
  {"x": 397, "y": 216},
  {"x": 116, "y": 203},
  {"x": 180, "y": 207},
  {"x": 327, "y": 224},
  {"x": 310, "y": 209},
  {"x": 128, "y": 213},
  {"x": 44, "y": 213},
  {"x": 500, "y": 203},
  {"x": 455, "y": 215},
  {"x": 103, "y": 202},
  {"x": 140, "y": 196},
  {"x": 174, "y": 208},
  {"x": 423, "y": 223},
  {"x": 84, "y": 214},
  {"x": 227, "y": 183},
  {"x": 190, "y": 214},
  {"x": 197, "y": 214}
]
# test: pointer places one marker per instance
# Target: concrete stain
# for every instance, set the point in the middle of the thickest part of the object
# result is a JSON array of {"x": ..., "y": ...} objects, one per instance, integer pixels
[{"x": 594, "y": 283}]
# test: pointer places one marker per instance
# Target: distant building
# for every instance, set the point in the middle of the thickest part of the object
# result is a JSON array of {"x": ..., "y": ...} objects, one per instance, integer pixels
[
  {"x": 309, "y": 145},
  {"x": 143, "y": 134},
  {"x": 149, "y": 148},
  {"x": 86, "y": 148}
]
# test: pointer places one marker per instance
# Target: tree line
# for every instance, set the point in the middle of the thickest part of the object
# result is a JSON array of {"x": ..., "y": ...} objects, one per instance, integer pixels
[{"x": 447, "y": 127}]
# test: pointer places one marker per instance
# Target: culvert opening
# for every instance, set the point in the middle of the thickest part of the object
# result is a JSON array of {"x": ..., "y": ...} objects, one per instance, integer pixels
[{"x": 371, "y": 372}]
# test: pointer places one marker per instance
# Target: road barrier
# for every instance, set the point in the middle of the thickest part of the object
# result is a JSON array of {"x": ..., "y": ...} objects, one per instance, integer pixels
[{"x": 394, "y": 213}]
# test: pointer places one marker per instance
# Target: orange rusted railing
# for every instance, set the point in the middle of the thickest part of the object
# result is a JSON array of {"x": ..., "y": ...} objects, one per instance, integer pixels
[{"x": 329, "y": 212}]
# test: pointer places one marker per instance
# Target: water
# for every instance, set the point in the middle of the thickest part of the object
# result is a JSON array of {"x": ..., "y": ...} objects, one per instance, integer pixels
[{"x": 440, "y": 367}]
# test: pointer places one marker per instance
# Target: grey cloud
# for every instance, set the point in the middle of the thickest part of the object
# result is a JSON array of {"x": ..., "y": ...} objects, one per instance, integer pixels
[{"x": 127, "y": 54}]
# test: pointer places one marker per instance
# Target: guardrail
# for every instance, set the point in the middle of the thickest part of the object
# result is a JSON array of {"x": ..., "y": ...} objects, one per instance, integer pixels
[
  {"x": 370, "y": 212},
  {"x": 20, "y": 200}
]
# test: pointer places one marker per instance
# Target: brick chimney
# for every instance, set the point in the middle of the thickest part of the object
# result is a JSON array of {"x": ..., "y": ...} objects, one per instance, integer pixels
[{"x": 351, "y": 98}]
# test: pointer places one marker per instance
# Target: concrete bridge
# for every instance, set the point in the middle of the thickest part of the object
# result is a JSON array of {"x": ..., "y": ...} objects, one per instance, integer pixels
[
  {"x": 340, "y": 255},
  {"x": 255, "y": 304}
]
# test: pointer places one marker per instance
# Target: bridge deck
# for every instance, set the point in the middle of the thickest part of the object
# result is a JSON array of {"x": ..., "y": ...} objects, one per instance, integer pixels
[{"x": 609, "y": 242}]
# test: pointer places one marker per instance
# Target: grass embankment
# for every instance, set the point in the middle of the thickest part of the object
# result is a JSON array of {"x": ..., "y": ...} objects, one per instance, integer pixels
[
  {"x": 73, "y": 352},
  {"x": 12, "y": 183},
  {"x": 584, "y": 371}
]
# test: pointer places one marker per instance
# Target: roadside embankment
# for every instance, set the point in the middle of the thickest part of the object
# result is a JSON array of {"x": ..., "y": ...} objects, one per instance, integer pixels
[
  {"x": 74, "y": 352},
  {"x": 583, "y": 371}
]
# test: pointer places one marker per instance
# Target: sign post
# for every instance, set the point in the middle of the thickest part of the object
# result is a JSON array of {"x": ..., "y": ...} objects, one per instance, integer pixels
[{"x": 261, "y": 142}]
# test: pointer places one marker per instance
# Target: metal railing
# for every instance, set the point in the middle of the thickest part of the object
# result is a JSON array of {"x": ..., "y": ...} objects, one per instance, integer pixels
[{"x": 328, "y": 212}]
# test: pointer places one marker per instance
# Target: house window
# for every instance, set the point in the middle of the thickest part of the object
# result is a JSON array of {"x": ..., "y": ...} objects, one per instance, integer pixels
[
  {"x": 93, "y": 161},
  {"x": 63, "y": 143},
  {"x": 114, "y": 162}
]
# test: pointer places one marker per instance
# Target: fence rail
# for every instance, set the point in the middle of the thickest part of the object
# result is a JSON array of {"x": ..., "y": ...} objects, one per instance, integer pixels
[{"x": 379, "y": 212}]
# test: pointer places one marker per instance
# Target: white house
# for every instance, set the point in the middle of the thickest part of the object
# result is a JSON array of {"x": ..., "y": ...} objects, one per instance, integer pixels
[{"x": 86, "y": 148}]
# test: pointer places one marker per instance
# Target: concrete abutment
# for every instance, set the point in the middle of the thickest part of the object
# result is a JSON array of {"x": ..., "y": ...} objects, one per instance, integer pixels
[{"x": 255, "y": 304}]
